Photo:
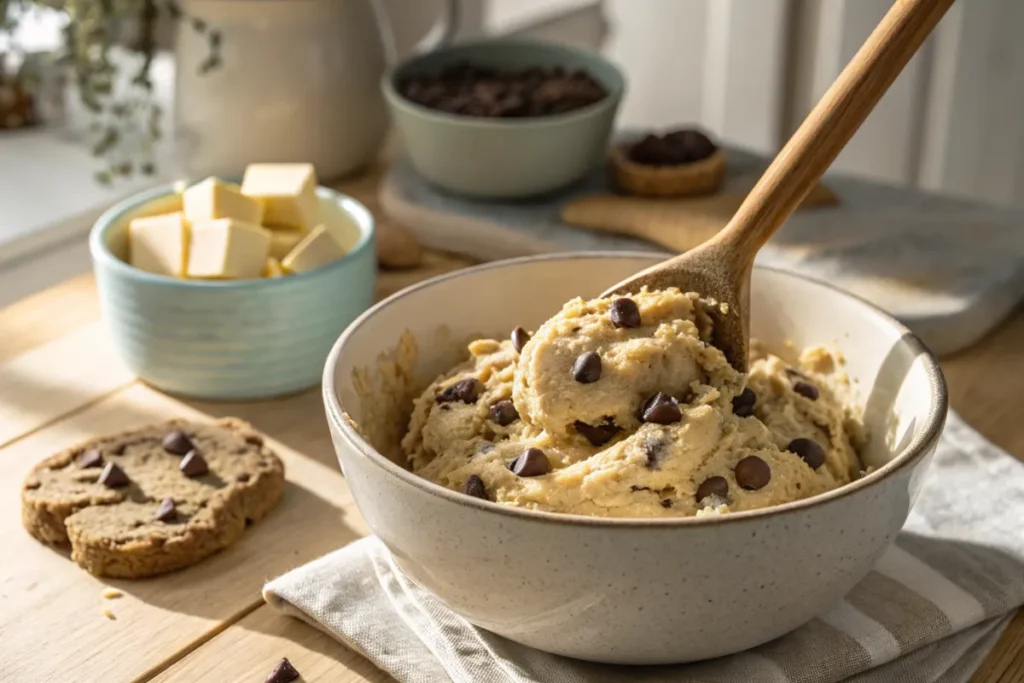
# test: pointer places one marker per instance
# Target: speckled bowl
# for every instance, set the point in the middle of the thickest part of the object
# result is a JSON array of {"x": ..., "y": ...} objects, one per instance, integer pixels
[
  {"x": 231, "y": 340},
  {"x": 633, "y": 591}
]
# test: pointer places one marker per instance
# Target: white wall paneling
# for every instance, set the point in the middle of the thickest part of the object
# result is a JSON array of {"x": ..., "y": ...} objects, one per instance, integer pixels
[{"x": 974, "y": 142}]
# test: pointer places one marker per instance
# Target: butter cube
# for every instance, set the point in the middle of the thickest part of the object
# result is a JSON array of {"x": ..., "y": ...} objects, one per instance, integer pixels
[
  {"x": 159, "y": 244},
  {"x": 227, "y": 248},
  {"x": 212, "y": 199},
  {"x": 316, "y": 249},
  {"x": 283, "y": 241},
  {"x": 288, "y": 193},
  {"x": 272, "y": 268}
]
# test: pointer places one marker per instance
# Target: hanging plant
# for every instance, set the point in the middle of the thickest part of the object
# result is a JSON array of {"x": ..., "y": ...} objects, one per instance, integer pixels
[{"x": 126, "y": 120}]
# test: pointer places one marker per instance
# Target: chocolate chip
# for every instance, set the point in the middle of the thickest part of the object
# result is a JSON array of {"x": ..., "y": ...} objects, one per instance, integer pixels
[
  {"x": 194, "y": 465},
  {"x": 284, "y": 672},
  {"x": 254, "y": 439},
  {"x": 504, "y": 413},
  {"x": 587, "y": 368},
  {"x": 713, "y": 486},
  {"x": 113, "y": 477},
  {"x": 532, "y": 463},
  {"x": 466, "y": 390},
  {"x": 625, "y": 313},
  {"x": 634, "y": 487},
  {"x": 806, "y": 390},
  {"x": 597, "y": 435},
  {"x": 118, "y": 449},
  {"x": 752, "y": 473},
  {"x": 32, "y": 485},
  {"x": 653, "y": 448},
  {"x": 809, "y": 451},
  {"x": 519, "y": 339},
  {"x": 242, "y": 477},
  {"x": 90, "y": 458},
  {"x": 661, "y": 409},
  {"x": 743, "y": 405},
  {"x": 177, "y": 442},
  {"x": 666, "y": 502},
  {"x": 475, "y": 487},
  {"x": 166, "y": 512},
  {"x": 675, "y": 148}
]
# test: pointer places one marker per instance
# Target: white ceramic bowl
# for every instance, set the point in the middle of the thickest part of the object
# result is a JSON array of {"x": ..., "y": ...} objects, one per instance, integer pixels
[{"x": 638, "y": 591}]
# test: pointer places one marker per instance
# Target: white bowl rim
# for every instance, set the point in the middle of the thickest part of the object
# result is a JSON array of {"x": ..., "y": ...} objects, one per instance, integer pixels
[
  {"x": 400, "y": 101},
  {"x": 102, "y": 255},
  {"x": 922, "y": 443}
]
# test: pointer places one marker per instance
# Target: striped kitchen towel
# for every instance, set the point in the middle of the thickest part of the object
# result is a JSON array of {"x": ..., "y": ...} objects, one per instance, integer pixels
[{"x": 930, "y": 610}]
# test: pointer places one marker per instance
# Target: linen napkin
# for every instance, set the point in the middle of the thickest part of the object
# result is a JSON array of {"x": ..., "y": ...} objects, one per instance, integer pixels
[{"x": 930, "y": 611}]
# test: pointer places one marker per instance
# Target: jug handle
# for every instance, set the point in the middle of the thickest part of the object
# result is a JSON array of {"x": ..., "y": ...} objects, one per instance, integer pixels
[{"x": 439, "y": 35}]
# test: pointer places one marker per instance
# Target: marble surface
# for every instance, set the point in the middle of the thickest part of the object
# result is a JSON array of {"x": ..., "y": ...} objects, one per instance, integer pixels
[{"x": 949, "y": 269}]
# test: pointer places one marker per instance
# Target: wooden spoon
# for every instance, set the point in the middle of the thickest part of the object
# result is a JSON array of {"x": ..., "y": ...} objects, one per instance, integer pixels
[{"x": 719, "y": 269}]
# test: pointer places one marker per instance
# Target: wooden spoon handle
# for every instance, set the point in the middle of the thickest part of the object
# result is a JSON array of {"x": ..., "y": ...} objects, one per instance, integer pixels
[{"x": 829, "y": 126}]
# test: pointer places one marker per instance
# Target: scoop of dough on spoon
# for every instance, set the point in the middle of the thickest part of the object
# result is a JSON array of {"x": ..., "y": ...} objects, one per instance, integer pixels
[{"x": 720, "y": 268}]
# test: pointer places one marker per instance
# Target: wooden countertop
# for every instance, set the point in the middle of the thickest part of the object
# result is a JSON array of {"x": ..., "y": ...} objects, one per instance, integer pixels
[{"x": 60, "y": 382}]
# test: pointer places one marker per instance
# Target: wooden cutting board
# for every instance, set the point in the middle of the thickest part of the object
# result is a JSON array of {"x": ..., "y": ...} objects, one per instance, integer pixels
[{"x": 950, "y": 270}]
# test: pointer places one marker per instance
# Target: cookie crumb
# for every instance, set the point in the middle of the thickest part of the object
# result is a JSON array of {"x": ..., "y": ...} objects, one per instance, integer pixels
[
  {"x": 111, "y": 594},
  {"x": 109, "y": 615}
]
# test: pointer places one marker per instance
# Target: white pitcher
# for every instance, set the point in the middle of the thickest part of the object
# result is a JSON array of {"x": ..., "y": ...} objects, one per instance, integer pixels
[{"x": 299, "y": 81}]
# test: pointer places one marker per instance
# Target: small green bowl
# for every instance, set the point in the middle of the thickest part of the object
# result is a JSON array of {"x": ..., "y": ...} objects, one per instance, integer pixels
[
  {"x": 231, "y": 340},
  {"x": 499, "y": 158}
]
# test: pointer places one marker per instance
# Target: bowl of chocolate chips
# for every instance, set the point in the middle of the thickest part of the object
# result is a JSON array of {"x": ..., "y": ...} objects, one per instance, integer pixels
[{"x": 504, "y": 119}]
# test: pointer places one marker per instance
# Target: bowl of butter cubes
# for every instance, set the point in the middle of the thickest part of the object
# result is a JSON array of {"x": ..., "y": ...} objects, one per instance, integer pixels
[{"x": 222, "y": 290}]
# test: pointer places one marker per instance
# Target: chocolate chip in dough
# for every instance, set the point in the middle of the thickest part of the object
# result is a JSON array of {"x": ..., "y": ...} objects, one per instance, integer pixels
[
  {"x": 587, "y": 368},
  {"x": 661, "y": 409},
  {"x": 532, "y": 463},
  {"x": 284, "y": 672},
  {"x": 466, "y": 390},
  {"x": 177, "y": 443},
  {"x": 166, "y": 512},
  {"x": 752, "y": 473},
  {"x": 503, "y": 413},
  {"x": 806, "y": 390},
  {"x": 653, "y": 449},
  {"x": 242, "y": 477},
  {"x": 743, "y": 405},
  {"x": 519, "y": 339},
  {"x": 118, "y": 449},
  {"x": 194, "y": 465},
  {"x": 113, "y": 477},
  {"x": 809, "y": 451},
  {"x": 625, "y": 313},
  {"x": 475, "y": 487},
  {"x": 713, "y": 486},
  {"x": 90, "y": 458},
  {"x": 597, "y": 435}
]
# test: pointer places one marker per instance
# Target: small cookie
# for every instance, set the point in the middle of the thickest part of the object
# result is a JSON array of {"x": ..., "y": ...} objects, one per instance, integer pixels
[
  {"x": 155, "y": 499},
  {"x": 683, "y": 163}
]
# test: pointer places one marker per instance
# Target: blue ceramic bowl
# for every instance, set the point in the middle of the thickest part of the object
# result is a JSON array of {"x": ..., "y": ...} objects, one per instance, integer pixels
[{"x": 231, "y": 340}]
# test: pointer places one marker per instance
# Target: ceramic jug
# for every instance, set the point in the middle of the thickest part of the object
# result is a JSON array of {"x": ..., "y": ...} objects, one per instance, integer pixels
[{"x": 299, "y": 80}]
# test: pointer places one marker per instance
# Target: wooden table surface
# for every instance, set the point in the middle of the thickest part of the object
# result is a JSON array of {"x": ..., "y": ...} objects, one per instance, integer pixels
[{"x": 60, "y": 382}]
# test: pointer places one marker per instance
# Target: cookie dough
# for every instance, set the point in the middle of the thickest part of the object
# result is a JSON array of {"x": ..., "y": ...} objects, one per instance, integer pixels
[{"x": 621, "y": 408}]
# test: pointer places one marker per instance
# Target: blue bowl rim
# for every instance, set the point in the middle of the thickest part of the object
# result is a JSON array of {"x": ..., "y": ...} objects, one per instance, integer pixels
[
  {"x": 399, "y": 101},
  {"x": 103, "y": 256}
]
